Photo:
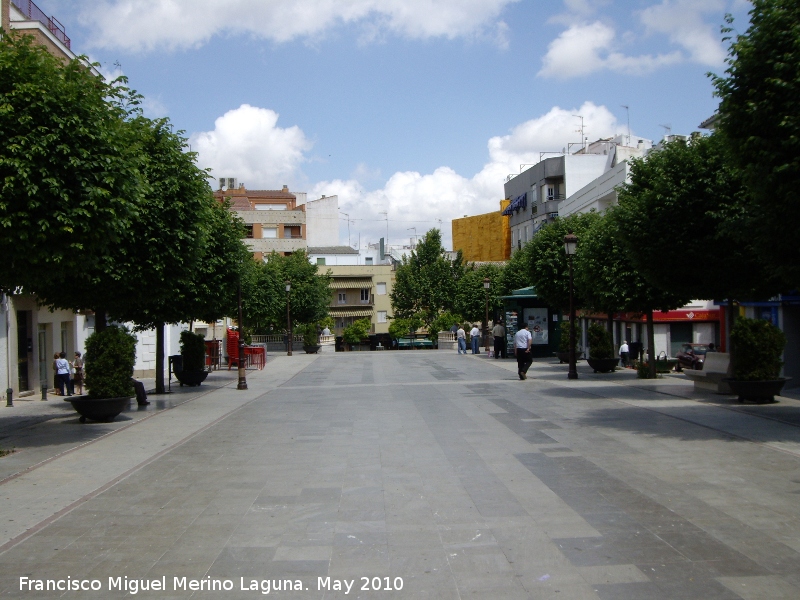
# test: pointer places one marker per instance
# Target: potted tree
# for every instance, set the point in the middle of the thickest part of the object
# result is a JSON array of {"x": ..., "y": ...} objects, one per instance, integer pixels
[
  {"x": 310, "y": 333},
  {"x": 756, "y": 356},
  {"x": 601, "y": 349},
  {"x": 190, "y": 370},
  {"x": 355, "y": 332},
  {"x": 563, "y": 343},
  {"x": 109, "y": 359}
]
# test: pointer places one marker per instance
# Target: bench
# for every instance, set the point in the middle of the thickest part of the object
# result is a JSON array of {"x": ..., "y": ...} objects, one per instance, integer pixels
[{"x": 716, "y": 368}]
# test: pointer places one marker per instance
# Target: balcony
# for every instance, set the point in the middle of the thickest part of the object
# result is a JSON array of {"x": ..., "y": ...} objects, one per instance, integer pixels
[{"x": 34, "y": 13}]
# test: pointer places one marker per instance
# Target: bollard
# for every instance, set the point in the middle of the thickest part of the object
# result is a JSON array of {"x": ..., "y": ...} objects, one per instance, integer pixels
[
  {"x": 9, "y": 397},
  {"x": 44, "y": 391}
]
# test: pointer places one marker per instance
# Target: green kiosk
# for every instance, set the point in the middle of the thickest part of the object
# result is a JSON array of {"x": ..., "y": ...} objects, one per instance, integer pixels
[{"x": 543, "y": 322}]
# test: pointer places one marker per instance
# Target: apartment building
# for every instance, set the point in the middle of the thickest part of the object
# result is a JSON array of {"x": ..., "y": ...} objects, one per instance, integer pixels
[{"x": 485, "y": 237}]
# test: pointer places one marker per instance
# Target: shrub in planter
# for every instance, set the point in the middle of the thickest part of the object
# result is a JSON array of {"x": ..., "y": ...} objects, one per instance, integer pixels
[
  {"x": 193, "y": 351},
  {"x": 110, "y": 356},
  {"x": 599, "y": 340},
  {"x": 757, "y": 349},
  {"x": 309, "y": 334},
  {"x": 359, "y": 330}
]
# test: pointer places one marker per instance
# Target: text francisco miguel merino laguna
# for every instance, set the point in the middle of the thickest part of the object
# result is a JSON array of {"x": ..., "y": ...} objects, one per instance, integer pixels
[{"x": 184, "y": 584}]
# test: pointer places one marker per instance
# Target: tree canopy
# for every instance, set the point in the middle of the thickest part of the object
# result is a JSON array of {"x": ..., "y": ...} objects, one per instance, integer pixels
[
  {"x": 759, "y": 115},
  {"x": 470, "y": 298},
  {"x": 70, "y": 184}
]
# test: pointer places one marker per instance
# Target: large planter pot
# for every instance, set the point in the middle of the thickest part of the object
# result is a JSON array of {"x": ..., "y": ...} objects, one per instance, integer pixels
[
  {"x": 311, "y": 349},
  {"x": 563, "y": 357},
  {"x": 760, "y": 392},
  {"x": 603, "y": 365},
  {"x": 98, "y": 409},
  {"x": 191, "y": 378}
]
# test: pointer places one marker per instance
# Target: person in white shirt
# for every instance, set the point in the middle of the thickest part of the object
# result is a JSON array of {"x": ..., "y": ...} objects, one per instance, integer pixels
[
  {"x": 62, "y": 370},
  {"x": 522, "y": 350},
  {"x": 326, "y": 331},
  {"x": 461, "y": 337},
  {"x": 475, "y": 338},
  {"x": 624, "y": 353}
]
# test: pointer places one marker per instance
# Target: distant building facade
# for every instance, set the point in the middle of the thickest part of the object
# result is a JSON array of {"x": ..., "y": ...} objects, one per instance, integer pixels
[{"x": 485, "y": 237}]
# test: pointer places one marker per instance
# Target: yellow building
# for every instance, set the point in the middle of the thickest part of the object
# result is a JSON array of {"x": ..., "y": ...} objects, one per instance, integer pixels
[
  {"x": 483, "y": 238},
  {"x": 359, "y": 291}
]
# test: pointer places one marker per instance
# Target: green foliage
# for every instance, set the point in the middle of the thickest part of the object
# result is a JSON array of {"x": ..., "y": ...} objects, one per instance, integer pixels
[
  {"x": 357, "y": 331},
  {"x": 685, "y": 203},
  {"x": 759, "y": 120},
  {"x": 399, "y": 328},
  {"x": 599, "y": 340},
  {"x": 109, "y": 360},
  {"x": 470, "y": 298},
  {"x": 516, "y": 274},
  {"x": 193, "y": 351},
  {"x": 549, "y": 265},
  {"x": 563, "y": 341},
  {"x": 443, "y": 322},
  {"x": 757, "y": 349},
  {"x": 70, "y": 185},
  {"x": 426, "y": 282},
  {"x": 643, "y": 370},
  {"x": 308, "y": 331}
]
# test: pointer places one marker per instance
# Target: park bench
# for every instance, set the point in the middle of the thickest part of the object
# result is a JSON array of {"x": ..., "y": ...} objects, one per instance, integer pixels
[{"x": 716, "y": 368}]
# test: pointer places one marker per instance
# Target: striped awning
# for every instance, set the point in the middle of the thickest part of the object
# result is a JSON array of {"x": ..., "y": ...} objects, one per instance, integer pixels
[
  {"x": 349, "y": 312},
  {"x": 340, "y": 283}
]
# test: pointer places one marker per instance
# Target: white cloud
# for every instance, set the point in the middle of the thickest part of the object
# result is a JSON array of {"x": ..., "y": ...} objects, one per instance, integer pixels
[
  {"x": 585, "y": 49},
  {"x": 682, "y": 21},
  {"x": 150, "y": 24},
  {"x": 247, "y": 143}
]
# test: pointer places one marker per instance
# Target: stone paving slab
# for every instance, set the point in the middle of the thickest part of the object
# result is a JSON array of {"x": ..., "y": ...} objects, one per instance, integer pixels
[{"x": 445, "y": 471}]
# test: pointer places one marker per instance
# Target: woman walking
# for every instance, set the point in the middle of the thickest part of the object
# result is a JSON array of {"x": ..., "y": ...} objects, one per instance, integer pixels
[{"x": 77, "y": 377}]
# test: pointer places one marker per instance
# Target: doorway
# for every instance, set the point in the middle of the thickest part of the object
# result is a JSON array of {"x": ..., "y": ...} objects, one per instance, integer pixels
[{"x": 23, "y": 345}]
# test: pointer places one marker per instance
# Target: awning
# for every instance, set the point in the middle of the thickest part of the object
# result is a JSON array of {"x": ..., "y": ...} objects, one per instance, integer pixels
[
  {"x": 349, "y": 312},
  {"x": 517, "y": 204},
  {"x": 340, "y": 283}
]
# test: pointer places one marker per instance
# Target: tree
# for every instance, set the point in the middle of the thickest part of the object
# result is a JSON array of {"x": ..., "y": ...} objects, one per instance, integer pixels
[
  {"x": 470, "y": 298},
  {"x": 70, "y": 185},
  {"x": 760, "y": 120},
  {"x": 516, "y": 274},
  {"x": 548, "y": 263},
  {"x": 608, "y": 281},
  {"x": 425, "y": 283}
]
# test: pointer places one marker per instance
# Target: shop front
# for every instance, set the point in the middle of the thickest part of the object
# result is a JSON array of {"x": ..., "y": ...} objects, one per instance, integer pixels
[{"x": 524, "y": 306}]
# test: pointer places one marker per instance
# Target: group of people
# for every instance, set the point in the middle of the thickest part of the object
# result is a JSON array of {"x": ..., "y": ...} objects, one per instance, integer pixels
[
  {"x": 67, "y": 375},
  {"x": 522, "y": 344}
]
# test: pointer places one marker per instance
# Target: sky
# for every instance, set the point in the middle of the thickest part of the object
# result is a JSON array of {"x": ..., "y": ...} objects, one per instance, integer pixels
[{"x": 415, "y": 110}]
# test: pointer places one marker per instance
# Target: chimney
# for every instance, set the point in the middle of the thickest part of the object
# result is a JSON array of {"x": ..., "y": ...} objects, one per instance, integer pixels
[{"x": 285, "y": 188}]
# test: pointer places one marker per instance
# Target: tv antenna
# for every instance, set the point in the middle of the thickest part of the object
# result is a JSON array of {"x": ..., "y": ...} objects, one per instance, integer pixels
[{"x": 667, "y": 129}]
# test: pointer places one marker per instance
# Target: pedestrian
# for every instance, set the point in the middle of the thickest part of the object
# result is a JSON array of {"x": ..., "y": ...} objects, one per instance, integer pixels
[
  {"x": 454, "y": 328},
  {"x": 522, "y": 350},
  {"x": 499, "y": 333},
  {"x": 55, "y": 374},
  {"x": 326, "y": 331},
  {"x": 77, "y": 373},
  {"x": 62, "y": 369},
  {"x": 711, "y": 347},
  {"x": 461, "y": 338},
  {"x": 475, "y": 338},
  {"x": 624, "y": 353}
]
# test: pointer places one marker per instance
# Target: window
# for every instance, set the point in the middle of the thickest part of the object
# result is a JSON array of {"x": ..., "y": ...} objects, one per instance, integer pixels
[
  {"x": 269, "y": 232},
  {"x": 381, "y": 289},
  {"x": 365, "y": 295},
  {"x": 321, "y": 260},
  {"x": 342, "y": 297},
  {"x": 368, "y": 260},
  {"x": 381, "y": 316},
  {"x": 248, "y": 231}
]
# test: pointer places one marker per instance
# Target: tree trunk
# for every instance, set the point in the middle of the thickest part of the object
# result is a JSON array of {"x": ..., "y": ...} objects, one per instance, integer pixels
[
  {"x": 160, "y": 359},
  {"x": 731, "y": 318},
  {"x": 610, "y": 325},
  {"x": 651, "y": 345},
  {"x": 100, "y": 320}
]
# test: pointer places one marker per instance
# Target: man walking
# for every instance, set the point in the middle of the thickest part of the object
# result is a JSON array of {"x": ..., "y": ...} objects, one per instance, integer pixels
[
  {"x": 461, "y": 338},
  {"x": 522, "y": 350},
  {"x": 624, "y": 353},
  {"x": 499, "y": 333},
  {"x": 475, "y": 338}
]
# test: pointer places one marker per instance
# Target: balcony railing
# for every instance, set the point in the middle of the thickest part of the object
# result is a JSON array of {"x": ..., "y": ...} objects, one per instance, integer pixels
[{"x": 33, "y": 12}]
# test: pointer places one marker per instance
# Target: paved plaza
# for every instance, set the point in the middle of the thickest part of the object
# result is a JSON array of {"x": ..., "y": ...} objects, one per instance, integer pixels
[{"x": 423, "y": 474}]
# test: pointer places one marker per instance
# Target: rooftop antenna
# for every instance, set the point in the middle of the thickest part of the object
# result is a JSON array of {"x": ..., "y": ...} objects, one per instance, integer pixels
[
  {"x": 628, "y": 115},
  {"x": 581, "y": 131},
  {"x": 667, "y": 129}
]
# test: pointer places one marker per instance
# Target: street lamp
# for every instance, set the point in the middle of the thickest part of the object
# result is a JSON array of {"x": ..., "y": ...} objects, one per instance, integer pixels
[
  {"x": 288, "y": 318},
  {"x": 570, "y": 246},
  {"x": 486, "y": 284},
  {"x": 242, "y": 385}
]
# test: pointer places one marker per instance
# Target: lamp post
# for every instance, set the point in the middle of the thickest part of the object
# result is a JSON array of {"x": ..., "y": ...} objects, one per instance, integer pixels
[
  {"x": 242, "y": 385},
  {"x": 288, "y": 318},
  {"x": 570, "y": 246},
  {"x": 486, "y": 284}
]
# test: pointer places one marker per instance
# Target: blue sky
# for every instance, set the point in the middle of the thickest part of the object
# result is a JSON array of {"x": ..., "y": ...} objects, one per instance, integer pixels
[{"x": 416, "y": 107}]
